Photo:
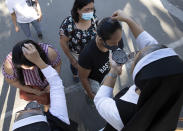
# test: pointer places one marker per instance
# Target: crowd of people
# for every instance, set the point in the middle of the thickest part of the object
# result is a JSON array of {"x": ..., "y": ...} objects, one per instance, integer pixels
[{"x": 152, "y": 103}]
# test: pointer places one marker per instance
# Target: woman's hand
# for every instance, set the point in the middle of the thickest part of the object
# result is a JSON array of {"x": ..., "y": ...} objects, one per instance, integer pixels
[
  {"x": 17, "y": 28},
  {"x": 47, "y": 89},
  {"x": 40, "y": 17},
  {"x": 39, "y": 93},
  {"x": 31, "y": 53}
]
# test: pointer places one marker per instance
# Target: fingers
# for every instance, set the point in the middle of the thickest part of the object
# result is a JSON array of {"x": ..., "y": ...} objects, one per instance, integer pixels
[
  {"x": 110, "y": 55},
  {"x": 28, "y": 48},
  {"x": 26, "y": 51},
  {"x": 32, "y": 47},
  {"x": 115, "y": 15},
  {"x": 112, "y": 62},
  {"x": 30, "y": 52}
]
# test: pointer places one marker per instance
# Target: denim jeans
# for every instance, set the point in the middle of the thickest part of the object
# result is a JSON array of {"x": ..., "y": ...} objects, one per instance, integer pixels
[{"x": 26, "y": 28}]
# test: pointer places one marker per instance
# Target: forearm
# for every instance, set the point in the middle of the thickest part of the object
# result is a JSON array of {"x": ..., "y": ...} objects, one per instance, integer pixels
[
  {"x": 41, "y": 64},
  {"x": 109, "y": 80},
  {"x": 28, "y": 89},
  {"x": 38, "y": 8},
  {"x": 135, "y": 28},
  {"x": 57, "y": 95},
  {"x": 69, "y": 55},
  {"x": 106, "y": 107},
  {"x": 67, "y": 51},
  {"x": 25, "y": 88},
  {"x": 86, "y": 85},
  {"x": 14, "y": 19}
]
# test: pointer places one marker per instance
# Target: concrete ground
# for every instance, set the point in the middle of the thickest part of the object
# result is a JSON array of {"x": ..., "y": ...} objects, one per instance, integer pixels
[{"x": 163, "y": 19}]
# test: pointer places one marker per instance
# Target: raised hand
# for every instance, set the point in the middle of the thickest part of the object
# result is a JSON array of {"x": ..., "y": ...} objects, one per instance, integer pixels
[
  {"x": 120, "y": 15},
  {"x": 31, "y": 53},
  {"x": 116, "y": 68}
]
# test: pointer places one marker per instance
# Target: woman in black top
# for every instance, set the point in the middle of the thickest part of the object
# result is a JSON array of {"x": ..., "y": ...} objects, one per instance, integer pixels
[{"x": 77, "y": 30}]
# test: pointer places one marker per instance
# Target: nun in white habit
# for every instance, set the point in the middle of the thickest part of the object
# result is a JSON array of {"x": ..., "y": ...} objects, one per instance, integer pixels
[{"x": 154, "y": 102}]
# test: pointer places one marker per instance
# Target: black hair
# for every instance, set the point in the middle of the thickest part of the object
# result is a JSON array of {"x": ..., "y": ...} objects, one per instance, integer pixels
[
  {"x": 79, "y": 4},
  {"x": 106, "y": 27},
  {"x": 19, "y": 59}
]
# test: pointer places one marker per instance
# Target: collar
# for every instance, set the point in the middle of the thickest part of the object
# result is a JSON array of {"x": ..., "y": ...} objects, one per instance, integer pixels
[
  {"x": 154, "y": 56},
  {"x": 28, "y": 121}
]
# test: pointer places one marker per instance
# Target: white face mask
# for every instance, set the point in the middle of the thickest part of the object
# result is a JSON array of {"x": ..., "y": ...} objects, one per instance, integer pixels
[{"x": 87, "y": 16}]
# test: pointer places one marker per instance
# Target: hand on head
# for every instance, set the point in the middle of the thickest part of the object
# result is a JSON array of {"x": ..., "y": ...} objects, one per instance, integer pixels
[
  {"x": 120, "y": 15},
  {"x": 31, "y": 53}
]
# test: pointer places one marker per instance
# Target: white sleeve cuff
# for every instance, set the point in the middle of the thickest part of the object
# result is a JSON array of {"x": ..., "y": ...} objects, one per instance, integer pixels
[
  {"x": 105, "y": 91},
  {"x": 49, "y": 72},
  {"x": 144, "y": 39}
]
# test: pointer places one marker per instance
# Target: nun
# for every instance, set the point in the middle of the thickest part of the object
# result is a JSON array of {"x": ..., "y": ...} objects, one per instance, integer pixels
[
  {"x": 32, "y": 118},
  {"x": 154, "y": 102}
]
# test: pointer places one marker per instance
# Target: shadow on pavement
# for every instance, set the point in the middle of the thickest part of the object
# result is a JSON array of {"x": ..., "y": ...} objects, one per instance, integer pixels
[
  {"x": 9, "y": 106},
  {"x": 83, "y": 111}
]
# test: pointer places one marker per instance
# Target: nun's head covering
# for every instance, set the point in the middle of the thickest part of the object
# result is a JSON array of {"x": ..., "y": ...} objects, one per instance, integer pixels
[
  {"x": 31, "y": 118},
  {"x": 159, "y": 76}
]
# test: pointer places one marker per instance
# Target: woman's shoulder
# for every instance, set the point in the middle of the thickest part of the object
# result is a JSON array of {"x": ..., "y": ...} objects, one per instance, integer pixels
[
  {"x": 8, "y": 68},
  {"x": 68, "y": 20},
  {"x": 95, "y": 20},
  {"x": 52, "y": 53},
  {"x": 67, "y": 26}
]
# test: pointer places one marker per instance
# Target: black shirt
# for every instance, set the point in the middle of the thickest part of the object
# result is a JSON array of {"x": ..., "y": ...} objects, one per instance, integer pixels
[{"x": 95, "y": 60}]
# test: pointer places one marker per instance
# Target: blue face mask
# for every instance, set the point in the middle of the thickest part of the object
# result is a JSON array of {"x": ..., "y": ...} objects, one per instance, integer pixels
[
  {"x": 113, "y": 48},
  {"x": 87, "y": 16}
]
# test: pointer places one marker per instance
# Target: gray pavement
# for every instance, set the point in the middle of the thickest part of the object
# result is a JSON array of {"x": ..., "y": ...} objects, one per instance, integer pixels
[
  {"x": 155, "y": 16},
  {"x": 177, "y": 3}
]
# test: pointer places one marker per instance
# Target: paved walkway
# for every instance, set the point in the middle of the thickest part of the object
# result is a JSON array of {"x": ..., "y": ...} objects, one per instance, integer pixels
[{"x": 157, "y": 17}]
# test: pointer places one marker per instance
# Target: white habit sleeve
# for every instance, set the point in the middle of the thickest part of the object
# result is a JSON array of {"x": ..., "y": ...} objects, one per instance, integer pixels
[
  {"x": 107, "y": 108},
  {"x": 58, "y": 106},
  {"x": 144, "y": 39}
]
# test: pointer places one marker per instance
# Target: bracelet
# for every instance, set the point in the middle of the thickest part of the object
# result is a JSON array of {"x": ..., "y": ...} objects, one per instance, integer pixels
[{"x": 113, "y": 75}]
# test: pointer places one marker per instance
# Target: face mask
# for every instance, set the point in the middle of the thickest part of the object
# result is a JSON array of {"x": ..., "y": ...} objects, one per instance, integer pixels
[
  {"x": 113, "y": 48},
  {"x": 87, "y": 16}
]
